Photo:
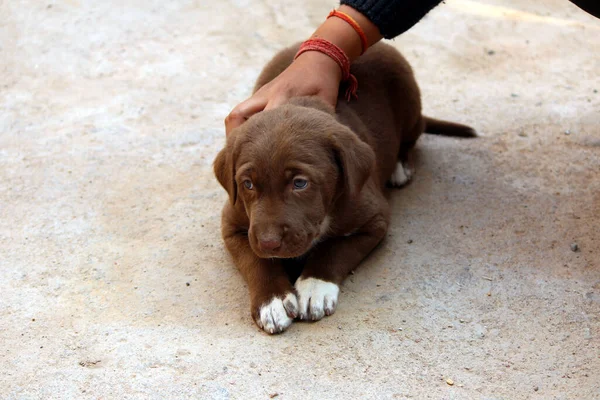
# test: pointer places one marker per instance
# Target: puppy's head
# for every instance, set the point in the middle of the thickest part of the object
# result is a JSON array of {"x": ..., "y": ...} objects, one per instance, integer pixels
[{"x": 287, "y": 167}]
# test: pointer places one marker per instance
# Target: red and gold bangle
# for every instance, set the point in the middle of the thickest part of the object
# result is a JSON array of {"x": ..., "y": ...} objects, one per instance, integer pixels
[
  {"x": 337, "y": 55},
  {"x": 354, "y": 25}
]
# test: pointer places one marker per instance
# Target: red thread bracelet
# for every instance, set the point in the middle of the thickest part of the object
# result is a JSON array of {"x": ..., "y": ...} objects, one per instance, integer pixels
[
  {"x": 337, "y": 55},
  {"x": 363, "y": 38}
]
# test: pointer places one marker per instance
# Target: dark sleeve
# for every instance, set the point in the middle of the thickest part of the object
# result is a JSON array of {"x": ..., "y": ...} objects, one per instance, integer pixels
[
  {"x": 392, "y": 17},
  {"x": 591, "y": 6}
]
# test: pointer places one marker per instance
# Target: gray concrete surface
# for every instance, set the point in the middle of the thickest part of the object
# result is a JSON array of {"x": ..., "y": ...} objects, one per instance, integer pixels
[{"x": 113, "y": 279}]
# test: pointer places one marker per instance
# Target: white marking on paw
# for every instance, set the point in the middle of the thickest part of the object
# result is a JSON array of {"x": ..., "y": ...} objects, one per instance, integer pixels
[
  {"x": 316, "y": 298},
  {"x": 401, "y": 175},
  {"x": 277, "y": 315}
]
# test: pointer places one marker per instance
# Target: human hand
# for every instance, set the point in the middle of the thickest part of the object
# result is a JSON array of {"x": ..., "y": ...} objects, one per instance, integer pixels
[{"x": 311, "y": 74}]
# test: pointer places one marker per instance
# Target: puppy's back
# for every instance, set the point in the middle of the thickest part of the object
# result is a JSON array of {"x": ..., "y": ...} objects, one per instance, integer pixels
[
  {"x": 382, "y": 67},
  {"x": 388, "y": 104},
  {"x": 276, "y": 66}
]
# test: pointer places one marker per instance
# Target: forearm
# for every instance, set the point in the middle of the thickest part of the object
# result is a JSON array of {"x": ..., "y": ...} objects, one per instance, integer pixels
[{"x": 340, "y": 33}]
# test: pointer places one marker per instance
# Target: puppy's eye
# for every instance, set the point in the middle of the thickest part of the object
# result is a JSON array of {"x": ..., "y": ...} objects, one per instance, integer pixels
[
  {"x": 300, "y": 183},
  {"x": 248, "y": 184}
]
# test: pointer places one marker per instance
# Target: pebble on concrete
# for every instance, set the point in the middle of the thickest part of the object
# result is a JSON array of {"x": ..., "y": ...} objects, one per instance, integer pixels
[{"x": 574, "y": 247}]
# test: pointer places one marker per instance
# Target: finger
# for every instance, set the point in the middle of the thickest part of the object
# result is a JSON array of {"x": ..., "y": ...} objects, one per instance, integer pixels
[{"x": 243, "y": 111}]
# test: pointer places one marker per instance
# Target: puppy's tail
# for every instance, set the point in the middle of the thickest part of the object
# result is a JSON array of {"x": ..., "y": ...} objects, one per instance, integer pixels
[{"x": 447, "y": 128}]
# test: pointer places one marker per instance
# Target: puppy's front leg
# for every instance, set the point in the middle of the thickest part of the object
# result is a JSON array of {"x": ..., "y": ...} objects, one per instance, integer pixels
[
  {"x": 272, "y": 299},
  {"x": 330, "y": 263}
]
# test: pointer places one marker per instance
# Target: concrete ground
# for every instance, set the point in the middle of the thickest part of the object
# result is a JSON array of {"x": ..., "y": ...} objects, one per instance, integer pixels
[{"x": 114, "y": 282}]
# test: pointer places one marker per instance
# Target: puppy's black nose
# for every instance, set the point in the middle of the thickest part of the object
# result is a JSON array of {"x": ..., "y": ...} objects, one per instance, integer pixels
[{"x": 269, "y": 244}]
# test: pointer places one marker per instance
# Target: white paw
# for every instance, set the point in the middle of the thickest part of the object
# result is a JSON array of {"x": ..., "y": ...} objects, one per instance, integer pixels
[
  {"x": 316, "y": 298},
  {"x": 277, "y": 315},
  {"x": 401, "y": 175}
]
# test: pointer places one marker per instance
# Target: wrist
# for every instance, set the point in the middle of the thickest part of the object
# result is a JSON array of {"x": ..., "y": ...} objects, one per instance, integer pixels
[
  {"x": 320, "y": 63},
  {"x": 337, "y": 55}
]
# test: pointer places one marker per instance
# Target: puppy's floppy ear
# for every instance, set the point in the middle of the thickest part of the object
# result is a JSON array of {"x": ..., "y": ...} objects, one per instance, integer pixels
[
  {"x": 224, "y": 168},
  {"x": 355, "y": 158}
]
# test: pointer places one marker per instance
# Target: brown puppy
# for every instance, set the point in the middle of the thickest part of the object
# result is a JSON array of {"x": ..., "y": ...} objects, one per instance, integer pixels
[{"x": 306, "y": 183}]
